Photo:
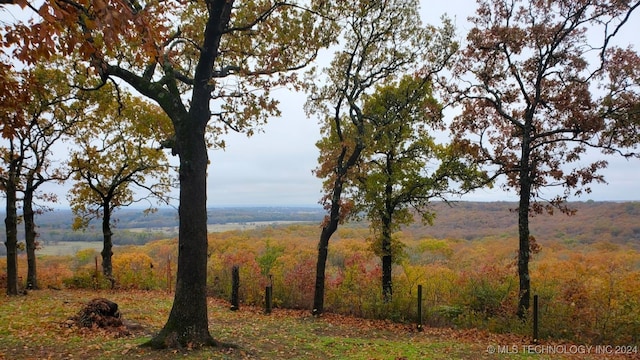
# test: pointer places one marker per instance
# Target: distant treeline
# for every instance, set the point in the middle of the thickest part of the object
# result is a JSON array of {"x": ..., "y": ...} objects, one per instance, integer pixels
[
  {"x": 135, "y": 227},
  {"x": 615, "y": 222},
  {"x": 120, "y": 236}
]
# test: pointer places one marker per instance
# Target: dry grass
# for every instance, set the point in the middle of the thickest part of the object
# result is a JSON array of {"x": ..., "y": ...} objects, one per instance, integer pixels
[{"x": 36, "y": 327}]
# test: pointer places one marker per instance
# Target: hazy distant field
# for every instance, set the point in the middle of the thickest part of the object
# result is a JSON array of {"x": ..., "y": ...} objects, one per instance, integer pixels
[
  {"x": 247, "y": 226},
  {"x": 225, "y": 227},
  {"x": 61, "y": 248},
  {"x": 222, "y": 227}
]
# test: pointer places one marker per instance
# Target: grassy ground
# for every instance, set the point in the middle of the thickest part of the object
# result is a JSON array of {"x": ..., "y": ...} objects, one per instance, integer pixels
[{"x": 36, "y": 327}]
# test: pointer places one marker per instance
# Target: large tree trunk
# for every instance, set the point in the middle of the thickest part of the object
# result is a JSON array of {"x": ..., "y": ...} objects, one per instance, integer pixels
[
  {"x": 188, "y": 323},
  {"x": 11, "y": 227},
  {"x": 524, "y": 293},
  {"x": 188, "y": 319},
  {"x": 30, "y": 237}
]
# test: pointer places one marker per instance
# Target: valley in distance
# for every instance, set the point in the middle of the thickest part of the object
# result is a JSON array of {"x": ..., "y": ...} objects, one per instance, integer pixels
[{"x": 612, "y": 222}]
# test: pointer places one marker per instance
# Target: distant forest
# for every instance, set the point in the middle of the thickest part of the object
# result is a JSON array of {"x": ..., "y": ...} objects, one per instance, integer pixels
[
  {"x": 133, "y": 226},
  {"x": 615, "y": 222}
]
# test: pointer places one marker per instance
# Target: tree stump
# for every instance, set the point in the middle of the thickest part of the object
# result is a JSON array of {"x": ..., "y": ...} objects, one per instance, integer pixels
[{"x": 100, "y": 313}]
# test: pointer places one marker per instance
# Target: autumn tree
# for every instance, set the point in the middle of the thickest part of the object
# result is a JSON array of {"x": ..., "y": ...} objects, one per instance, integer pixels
[
  {"x": 381, "y": 40},
  {"x": 26, "y": 153},
  {"x": 539, "y": 83},
  {"x": 9, "y": 183},
  {"x": 8, "y": 178},
  {"x": 52, "y": 109},
  {"x": 10, "y": 98},
  {"x": 117, "y": 162},
  {"x": 197, "y": 60},
  {"x": 404, "y": 167}
]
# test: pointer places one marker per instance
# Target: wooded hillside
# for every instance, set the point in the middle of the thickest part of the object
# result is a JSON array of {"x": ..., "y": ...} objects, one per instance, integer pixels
[
  {"x": 594, "y": 221},
  {"x": 616, "y": 222}
]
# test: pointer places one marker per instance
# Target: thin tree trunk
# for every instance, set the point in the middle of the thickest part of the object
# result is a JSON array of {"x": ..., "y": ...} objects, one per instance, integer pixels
[
  {"x": 332, "y": 222},
  {"x": 386, "y": 216},
  {"x": 323, "y": 251},
  {"x": 387, "y": 261},
  {"x": 30, "y": 237},
  {"x": 11, "y": 226},
  {"x": 524, "y": 293},
  {"x": 107, "y": 243}
]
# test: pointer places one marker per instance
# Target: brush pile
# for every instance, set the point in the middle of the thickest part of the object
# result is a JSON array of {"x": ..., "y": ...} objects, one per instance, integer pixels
[{"x": 99, "y": 313}]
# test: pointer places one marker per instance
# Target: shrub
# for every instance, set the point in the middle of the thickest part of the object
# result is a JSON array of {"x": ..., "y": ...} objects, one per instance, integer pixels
[
  {"x": 52, "y": 270},
  {"x": 357, "y": 290},
  {"x": 134, "y": 271},
  {"x": 298, "y": 285},
  {"x": 86, "y": 278},
  {"x": 486, "y": 291}
]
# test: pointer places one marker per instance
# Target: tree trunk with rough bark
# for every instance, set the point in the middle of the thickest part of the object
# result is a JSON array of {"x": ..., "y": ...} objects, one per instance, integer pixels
[
  {"x": 107, "y": 243},
  {"x": 524, "y": 293},
  {"x": 387, "y": 259},
  {"x": 11, "y": 226},
  {"x": 30, "y": 236},
  {"x": 321, "y": 262},
  {"x": 188, "y": 319}
]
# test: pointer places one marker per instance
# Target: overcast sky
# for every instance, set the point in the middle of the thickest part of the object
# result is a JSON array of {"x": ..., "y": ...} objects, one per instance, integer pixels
[{"x": 275, "y": 167}]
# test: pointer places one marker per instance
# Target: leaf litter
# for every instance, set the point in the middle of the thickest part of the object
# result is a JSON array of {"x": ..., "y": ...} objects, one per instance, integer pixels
[{"x": 37, "y": 326}]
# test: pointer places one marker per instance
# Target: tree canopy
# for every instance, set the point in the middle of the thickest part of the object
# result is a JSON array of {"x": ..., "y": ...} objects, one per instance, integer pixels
[
  {"x": 537, "y": 91},
  {"x": 536, "y": 82},
  {"x": 43, "y": 116},
  {"x": 381, "y": 41},
  {"x": 198, "y": 61},
  {"x": 404, "y": 168},
  {"x": 117, "y": 161}
]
